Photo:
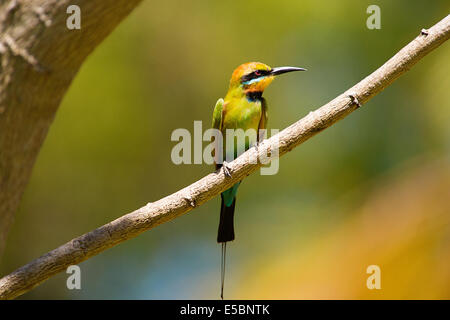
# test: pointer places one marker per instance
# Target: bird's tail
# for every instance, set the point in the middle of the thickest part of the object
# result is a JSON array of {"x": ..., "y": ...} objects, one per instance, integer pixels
[
  {"x": 226, "y": 224},
  {"x": 222, "y": 268},
  {"x": 225, "y": 234}
]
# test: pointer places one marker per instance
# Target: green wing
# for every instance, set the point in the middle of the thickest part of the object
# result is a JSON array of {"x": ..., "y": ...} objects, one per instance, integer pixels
[
  {"x": 217, "y": 120},
  {"x": 217, "y": 115}
]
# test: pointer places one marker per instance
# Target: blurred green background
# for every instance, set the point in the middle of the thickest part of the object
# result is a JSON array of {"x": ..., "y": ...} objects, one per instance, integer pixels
[{"x": 373, "y": 189}]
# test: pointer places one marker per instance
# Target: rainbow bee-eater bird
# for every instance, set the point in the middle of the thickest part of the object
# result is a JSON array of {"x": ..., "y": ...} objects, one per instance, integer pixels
[{"x": 243, "y": 108}]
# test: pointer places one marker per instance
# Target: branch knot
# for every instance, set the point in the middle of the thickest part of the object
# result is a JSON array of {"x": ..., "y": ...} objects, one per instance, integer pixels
[
  {"x": 190, "y": 200},
  {"x": 354, "y": 99}
]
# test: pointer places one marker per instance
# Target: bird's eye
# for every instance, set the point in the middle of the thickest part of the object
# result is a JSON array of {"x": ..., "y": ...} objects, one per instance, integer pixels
[{"x": 257, "y": 72}]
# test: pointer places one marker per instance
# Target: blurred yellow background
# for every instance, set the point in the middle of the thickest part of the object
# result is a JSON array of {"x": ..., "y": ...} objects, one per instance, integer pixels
[{"x": 372, "y": 190}]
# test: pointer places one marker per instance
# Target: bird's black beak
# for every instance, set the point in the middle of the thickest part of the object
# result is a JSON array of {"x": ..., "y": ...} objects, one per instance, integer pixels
[{"x": 281, "y": 70}]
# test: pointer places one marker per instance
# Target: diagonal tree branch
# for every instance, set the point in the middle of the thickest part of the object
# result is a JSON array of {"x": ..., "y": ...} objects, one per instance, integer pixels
[{"x": 176, "y": 204}]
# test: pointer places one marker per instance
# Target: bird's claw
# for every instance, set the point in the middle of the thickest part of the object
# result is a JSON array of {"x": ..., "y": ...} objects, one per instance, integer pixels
[{"x": 226, "y": 169}]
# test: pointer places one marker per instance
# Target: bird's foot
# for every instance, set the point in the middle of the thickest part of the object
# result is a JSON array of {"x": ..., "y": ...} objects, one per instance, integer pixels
[
  {"x": 256, "y": 146},
  {"x": 226, "y": 169}
]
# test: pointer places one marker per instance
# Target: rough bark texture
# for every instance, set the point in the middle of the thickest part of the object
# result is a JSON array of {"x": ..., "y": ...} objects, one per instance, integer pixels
[
  {"x": 172, "y": 206},
  {"x": 39, "y": 57}
]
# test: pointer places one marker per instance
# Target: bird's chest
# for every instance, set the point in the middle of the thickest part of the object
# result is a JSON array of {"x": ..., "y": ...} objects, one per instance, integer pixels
[
  {"x": 242, "y": 115},
  {"x": 245, "y": 115}
]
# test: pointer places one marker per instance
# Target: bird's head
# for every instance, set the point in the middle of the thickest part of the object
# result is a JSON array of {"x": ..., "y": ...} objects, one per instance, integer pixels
[{"x": 256, "y": 76}]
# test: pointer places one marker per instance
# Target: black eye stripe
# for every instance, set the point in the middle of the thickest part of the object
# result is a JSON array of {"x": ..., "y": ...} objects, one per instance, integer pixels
[{"x": 255, "y": 74}]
